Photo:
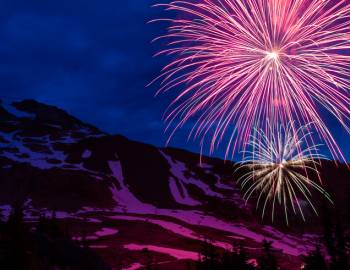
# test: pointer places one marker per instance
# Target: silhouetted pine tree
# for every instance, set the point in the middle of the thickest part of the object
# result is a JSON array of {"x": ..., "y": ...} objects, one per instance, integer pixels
[
  {"x": 229, "y": 260},
  {"x": 2, "y": 217},
  {"x": 3, "y": 244},
  {"x": 148, "y": 259},
  {"x": 239, "y": 258},
  {"x": 244, "y": 258},
  {"x": 55, "y": 229},
  {"x": 335, "y": 241},
  {"x": 328, "y": 236},
  {"x": 315, "y": 260},
  {"x": 84, "y": 242},
  {"x": 2, "y": 225},
  {"x": 267, "y": 261},
  {"x": 16, "y": 230},
  {"x": 188, "y": 266},
  {"x": 42, "y": 223},
  {"x": 15, "y": 222},
  {"x": 49, "y": 226},
  {"x": 341, "y": 255},
  {"x": 226, "y": 261},
  {"x": 209, "y": 256}
]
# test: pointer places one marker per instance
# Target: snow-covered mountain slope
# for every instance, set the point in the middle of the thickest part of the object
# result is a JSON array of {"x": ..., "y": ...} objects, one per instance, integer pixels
[{"x": 131, "y": 195}]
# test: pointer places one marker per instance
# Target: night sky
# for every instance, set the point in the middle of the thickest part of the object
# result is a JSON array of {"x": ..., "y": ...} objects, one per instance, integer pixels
[{"x": 93, "y": 59}]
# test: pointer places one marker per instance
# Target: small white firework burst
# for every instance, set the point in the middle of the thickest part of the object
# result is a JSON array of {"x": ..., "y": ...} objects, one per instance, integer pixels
[{"x": 276, "y": 169}]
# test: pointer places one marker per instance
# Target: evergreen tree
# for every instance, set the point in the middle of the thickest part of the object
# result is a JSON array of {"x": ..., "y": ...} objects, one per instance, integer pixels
[
  {"x": 335, "y": 241},
  {"x": 2, "y": 217},
  {"x": 42, "y": 224},
  {"x": 342, "y": 258},
  {"x": 3, "y": 244},
  {"x": 315, "y": 260},
  {"x": 236, "y": 259},
  {"x": 16, "y": 256},
  {"x": 328, "y": 236},
  {"x": 188, "y": 266},
  {"x": 209, "y": 256},
  {"x": 84, "y": 241},
  {"x": 15, "y": 223},
  {"x": 226, "y": 261},
  {"x": 148, "y": 260},
  {"x": 2, "y": 225},
  {"x": 244, "y": 258},
  {"x": 239, "y": 258},
  {"x": 267, "y": 261},
  {"x": 54, "y": 227},
  {"x": 49, "y": 226}
]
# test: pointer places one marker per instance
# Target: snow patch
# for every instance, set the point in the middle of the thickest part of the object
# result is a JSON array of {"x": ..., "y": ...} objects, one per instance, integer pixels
[
  {"x": 221, "y": 185},
  {"x": 176, "y": 253},
  {"x": 106, "y": 232},
  {"x": 134, "y": 266},
  {"x": 205, "y": 166},
  {"x": 98, "y": 246},
  {"x": 36, "y": 159},
  {"x": 183, "y": 198},
  {"x": 86, "y": 154},
  {"x": 123, "y": 197},
  {"x": 64, "y": 215},
  {"x": 14, "y": 111},
  {"x": 288, "y": 244},
  {"x": 178, "y": 169},
  {"x": 102, "y": 233},
  {"x": 175, "y": 228},
  {"x": 5, "y": 211}
]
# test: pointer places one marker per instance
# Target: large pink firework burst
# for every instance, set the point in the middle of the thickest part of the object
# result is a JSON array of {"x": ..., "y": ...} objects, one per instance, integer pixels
[{"x": 242, "y": 63}]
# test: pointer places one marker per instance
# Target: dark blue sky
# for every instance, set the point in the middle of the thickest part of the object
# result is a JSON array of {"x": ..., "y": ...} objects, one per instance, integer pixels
[{"x": 93, "y": 59}]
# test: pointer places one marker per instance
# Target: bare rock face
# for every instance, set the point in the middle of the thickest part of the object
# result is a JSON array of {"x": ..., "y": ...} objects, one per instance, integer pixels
[{"x": 53, "y": 144}]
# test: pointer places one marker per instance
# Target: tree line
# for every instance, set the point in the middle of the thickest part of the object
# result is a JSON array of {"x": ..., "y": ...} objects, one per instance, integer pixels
[
  {"x": 331, "y": 253},
  {"x": 44, "y": 246}
]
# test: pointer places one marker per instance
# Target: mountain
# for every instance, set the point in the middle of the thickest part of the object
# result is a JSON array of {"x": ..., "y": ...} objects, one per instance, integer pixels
[{"x": 134, "y": 201}]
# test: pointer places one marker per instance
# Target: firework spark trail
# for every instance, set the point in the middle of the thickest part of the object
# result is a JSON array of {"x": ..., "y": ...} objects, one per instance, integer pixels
[
  {"x": 277, "y": 166},
  {"x": 242, "y": 63}
]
